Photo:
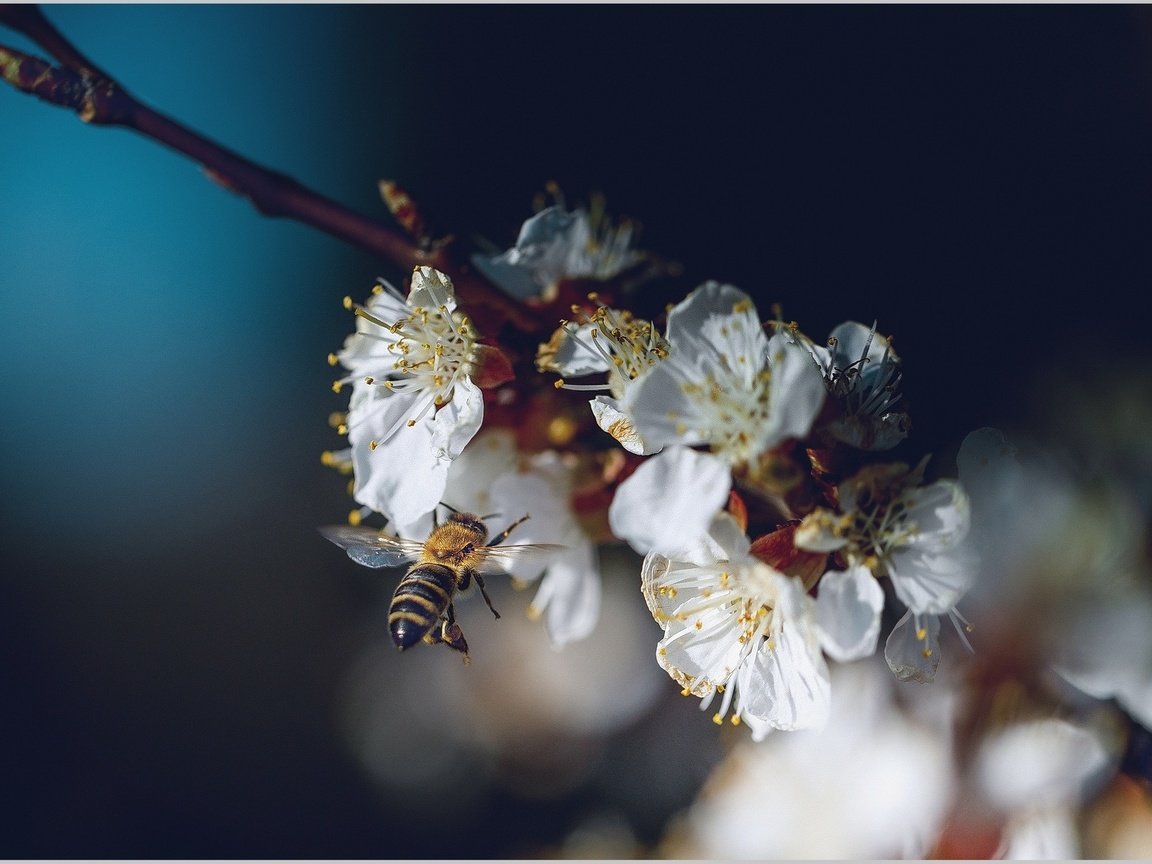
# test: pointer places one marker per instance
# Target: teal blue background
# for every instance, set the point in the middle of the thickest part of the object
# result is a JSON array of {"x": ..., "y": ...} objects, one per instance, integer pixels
[{"x": 978, "y": 179}]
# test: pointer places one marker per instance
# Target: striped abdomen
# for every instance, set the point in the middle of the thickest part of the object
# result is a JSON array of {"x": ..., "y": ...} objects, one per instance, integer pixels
[{"x": 420, "y": 600}]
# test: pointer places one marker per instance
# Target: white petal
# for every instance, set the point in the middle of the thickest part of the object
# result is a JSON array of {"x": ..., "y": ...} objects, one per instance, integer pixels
[
  {"x": 848, "y": 613},
  {"x": 456, "y": 423},
  {"x": 930, "y": 583},
  {"x": 787, "y": 685},
  {"x": 909, "y": 657},
  {"x": 616, "y": 422},
  {"x": 542, "y": 493},
  {"x": 474, "y": 473},
  {"x": 701, "y": 658},
  {"x": 687, "y": 319},
  {"x": 669, "y": 502},
  {"x": 431, "y": 289},
  {"x": 576, "y": 353},
  {"x": 941, "y": 513},
  {"x": 366, "y": 351},
  {"x": 1041, "y": 835},
  {"x": 1035, "y": 763},
  {"x": 570, "y": 595},
  {"x": 851, "y": 337},
  {"x": 661, "y": 412},
  {"x": 798, "y": 390},
  {"x": 402, "y": 478}
]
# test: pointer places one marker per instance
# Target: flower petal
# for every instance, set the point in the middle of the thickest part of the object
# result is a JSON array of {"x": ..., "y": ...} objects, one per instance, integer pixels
[
  {"x": 569, "y": 595},
  {"x": 669, "y": 502},
  {"x": 402, "y": 477},
  {"x": 913, "y": 655},
  {"x": 930, "y": 583},
  {"x": 848, "y": 613},
  {"x": 787, "y": 685},
  {"x": 798, "y": 389},
  {"x": 454, "y": 424},
  {"x": 616, "y": 422},
  {"x": 941, "y": 513}
]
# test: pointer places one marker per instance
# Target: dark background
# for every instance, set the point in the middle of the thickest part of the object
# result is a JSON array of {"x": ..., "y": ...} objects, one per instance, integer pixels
[{"x": 173, "y": 631}]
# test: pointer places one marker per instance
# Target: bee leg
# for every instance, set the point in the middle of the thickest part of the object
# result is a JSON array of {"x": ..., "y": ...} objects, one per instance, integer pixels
[
  {"x": 451, "y": 634},
  {"x": 500, "y": 538},
  {"x": 484, "y": 593}
]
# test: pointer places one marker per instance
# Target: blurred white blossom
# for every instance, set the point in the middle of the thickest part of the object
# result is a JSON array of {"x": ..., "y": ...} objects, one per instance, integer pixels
[
  {"x": 1072, "y": 550},
  {"x": 873, "y": 783},
  {"x": 1036, "y": 773}
]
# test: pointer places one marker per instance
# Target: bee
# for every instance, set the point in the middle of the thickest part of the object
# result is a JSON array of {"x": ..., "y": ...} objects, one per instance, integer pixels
[{"x": 455, "y": 554}]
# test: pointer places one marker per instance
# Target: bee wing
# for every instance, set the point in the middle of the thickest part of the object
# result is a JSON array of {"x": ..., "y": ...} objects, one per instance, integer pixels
[
  {"x": 369, "y": 547},
  {"x": 497, "y": 559}
]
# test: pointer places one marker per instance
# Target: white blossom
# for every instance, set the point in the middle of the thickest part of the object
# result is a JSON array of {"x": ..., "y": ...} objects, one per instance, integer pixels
[
  {"x": 875, "y": 783},
  {"x": 915, "y": 536},
  {"x": 607, "y": 341},
  {"x": 1049, "y": 536},
  {"x": 862, "y": 373},
  {"x": 724, "y": 385},
  {"x": 736, "y": 627},
  {"x": 413, "y": 406},
  {"x": 557, "y": 244},
  {"x": 1036, "y": 773}
]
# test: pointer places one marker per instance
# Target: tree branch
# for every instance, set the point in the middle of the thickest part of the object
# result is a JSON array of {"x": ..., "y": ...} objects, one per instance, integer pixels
[{"x": 98, "y": 98}]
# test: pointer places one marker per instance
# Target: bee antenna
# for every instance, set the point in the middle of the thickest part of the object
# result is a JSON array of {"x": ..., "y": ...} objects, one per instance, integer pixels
[
  {"x": 449, "y": 507},
  {"x": 488, "y": 516}
]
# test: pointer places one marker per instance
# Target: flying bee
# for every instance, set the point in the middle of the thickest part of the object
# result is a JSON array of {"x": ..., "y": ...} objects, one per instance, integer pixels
[{"x": 455, "y": 554}]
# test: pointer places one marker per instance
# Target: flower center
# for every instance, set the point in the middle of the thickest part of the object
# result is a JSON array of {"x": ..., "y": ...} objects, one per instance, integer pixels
[
  {"x": 629, "y": 345},
  {"x": 433, "y": 349},
  {"x": 733, "y": 394}
]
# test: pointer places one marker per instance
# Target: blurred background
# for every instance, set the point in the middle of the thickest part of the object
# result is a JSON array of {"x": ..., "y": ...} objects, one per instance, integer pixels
[{"x": 188, "y": 670}]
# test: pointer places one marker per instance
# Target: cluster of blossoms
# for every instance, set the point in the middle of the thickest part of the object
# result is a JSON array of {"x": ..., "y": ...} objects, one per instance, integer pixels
[{"x": 742, "y": 459}]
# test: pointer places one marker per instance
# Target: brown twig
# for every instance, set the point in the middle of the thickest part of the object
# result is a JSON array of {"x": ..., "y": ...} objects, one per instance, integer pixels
[{"x": 98, "y": 98}]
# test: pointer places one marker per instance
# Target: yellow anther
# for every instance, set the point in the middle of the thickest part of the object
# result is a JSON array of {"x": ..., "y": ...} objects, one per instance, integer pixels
[
  {"x": 326, "y": 458},
  {"x": 685, "y": 692},
  {"x": 337, "y": 386},
  {"x": 699, "y": 625},
  {"x": 354, "y": 518},
  {"x": 332, "y": 359},
  {"x": 348, "y": 302},
  {"x": 373, "y": 444},
  {"x": 717, "y": 719},
  {"x": 369, "y": 380},
  {"x": 735, "y": 720},
  {"x": 411, "y": 423},
  {"x": 558, "y": 383},
  {"x": 377, "y": 289},
  {"x": 927, "y": 653},
  {"x": 534, "y": 612},
  {"x": 921, "y": 634},
  {"x": 342, "y": 429}
]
